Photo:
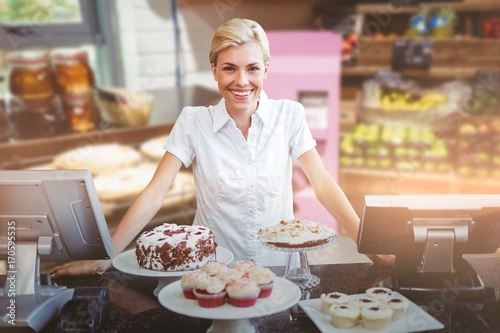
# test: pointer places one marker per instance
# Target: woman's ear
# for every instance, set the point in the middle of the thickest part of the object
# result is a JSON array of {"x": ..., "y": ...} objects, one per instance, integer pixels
[
  {"x": 265, "y": 69},
  {"x": 214, "y": 71}
]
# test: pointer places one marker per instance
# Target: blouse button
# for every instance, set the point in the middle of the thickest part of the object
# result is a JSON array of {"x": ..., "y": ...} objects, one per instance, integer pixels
[
  {"x": 251, "y": 212},
  {"x": 251, "y": 187},
  {"x": 251, "y": 236},
  {"x": 252, "y": 136},
  {"x": 249, "y": 160}
]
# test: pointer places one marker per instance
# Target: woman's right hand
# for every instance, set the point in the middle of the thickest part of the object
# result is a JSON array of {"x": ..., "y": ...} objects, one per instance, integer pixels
[{"x": 85, "y": 267}]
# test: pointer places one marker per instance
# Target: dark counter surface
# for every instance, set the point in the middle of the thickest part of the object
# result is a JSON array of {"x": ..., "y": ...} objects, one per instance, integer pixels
[{"x": 134, "y": 308}]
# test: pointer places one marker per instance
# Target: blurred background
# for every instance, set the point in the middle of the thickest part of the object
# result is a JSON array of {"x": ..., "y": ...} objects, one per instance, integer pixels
[{"x": 402, "y": 96}]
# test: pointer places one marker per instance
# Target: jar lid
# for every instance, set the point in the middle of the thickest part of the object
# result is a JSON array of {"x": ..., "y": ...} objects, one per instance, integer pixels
[
  {"x": 70, "y": 55},
  {"x": 28, "y": 58}
]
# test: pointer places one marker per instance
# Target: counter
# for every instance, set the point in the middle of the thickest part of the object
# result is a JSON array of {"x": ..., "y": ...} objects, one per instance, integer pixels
[{"x": 134, "y": 308}]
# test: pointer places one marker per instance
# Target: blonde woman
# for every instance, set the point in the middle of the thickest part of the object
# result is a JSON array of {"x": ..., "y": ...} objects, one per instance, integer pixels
[{"x": 241, "y": 153}]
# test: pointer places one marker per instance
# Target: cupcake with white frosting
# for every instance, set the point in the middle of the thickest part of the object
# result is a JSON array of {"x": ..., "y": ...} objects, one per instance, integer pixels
[
  {"x": 244, "y": 266},
  {"x": 264, "y": 277},
  {"x": 376, "y": 317},
  {"x": 344, "y": 315},
  {"x": 399, "y": 306},
  {"x": 214, "y": 267},
  {"x": 333, "y": 298},
  {"x": 210, "y": 293},
  {"x": 190, "y": 281},
  {"x": 243, "y": 292},
  {"x": 380, "y": 293}
]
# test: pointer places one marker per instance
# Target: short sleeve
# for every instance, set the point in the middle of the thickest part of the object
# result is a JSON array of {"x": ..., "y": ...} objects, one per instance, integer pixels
[
  {"x": 301, "y": 139},
  {"x": 181, "y": 139}
]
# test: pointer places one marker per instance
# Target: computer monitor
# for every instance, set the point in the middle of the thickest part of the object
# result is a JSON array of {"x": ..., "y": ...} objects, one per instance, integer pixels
[
  {"x": 429, "y": 234},
  {"x": 45, "y": 215}
]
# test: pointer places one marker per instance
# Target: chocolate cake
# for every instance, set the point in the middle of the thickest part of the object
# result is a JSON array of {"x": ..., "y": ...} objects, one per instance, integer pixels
[{"x": 172, "y": 247}]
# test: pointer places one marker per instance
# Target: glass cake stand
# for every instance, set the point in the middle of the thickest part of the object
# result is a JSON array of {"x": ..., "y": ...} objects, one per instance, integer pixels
[{"x": 297, "y": 265}]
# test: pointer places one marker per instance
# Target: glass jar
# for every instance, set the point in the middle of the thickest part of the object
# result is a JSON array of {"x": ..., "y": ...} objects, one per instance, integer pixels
[
  {"x": 73, "y": 73},
  {"x": 5, "y": 127},
  {"x": 36, "y": 119},
  {"x": 80, "y": 109},
  {"x": 31, "y": 76}
]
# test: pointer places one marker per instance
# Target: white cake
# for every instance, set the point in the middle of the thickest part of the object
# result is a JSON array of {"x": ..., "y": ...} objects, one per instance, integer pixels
[
  {"x": 296, "y": 233},
  {"x": 172, "y": 247}
]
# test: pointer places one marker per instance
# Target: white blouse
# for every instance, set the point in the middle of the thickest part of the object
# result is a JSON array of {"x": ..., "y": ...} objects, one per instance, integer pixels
[{"x": 242, "y": 185}]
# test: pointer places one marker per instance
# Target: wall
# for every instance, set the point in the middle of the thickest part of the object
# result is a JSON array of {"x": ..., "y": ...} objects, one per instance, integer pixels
[{"x": 147, "y": 36}]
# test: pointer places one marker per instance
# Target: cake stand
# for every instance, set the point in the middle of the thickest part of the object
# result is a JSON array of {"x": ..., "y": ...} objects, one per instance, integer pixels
[
  {"x": 127, "y": 263},
  {"x": 228, "y": 318},
  {"x": 297, "y": 265}
]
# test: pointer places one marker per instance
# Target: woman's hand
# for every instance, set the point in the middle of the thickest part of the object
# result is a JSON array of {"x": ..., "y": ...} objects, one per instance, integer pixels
[
  {"x": 86, "y": 267},
  {"x": 383, "y": 260}
]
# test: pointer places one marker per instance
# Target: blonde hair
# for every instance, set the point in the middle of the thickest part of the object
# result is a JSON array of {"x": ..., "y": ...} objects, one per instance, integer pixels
[{"x": 238, "y": 32}]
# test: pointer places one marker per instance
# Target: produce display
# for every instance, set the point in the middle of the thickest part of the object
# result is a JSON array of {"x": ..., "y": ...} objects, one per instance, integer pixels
[{"x": 394, "y": 147}]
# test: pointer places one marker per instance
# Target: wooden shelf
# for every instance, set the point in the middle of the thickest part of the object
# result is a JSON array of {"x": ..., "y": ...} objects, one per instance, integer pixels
[{"x": 388, "y": 9}]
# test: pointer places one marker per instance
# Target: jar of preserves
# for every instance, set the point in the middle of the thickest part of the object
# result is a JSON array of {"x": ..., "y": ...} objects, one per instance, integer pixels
[
  {"x": 36, "y": 119},
  {"x": 73, "y": 73},
  {"x": 5, "y": 127},
  {"x": 31, "y": 76},
  {"x": 80, "y": 109}
]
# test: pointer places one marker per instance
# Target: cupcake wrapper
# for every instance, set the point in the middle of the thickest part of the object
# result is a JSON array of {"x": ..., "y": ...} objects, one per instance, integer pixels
[
  {"x": 188, "y": 293},
  {"x": 206, "y": 300},
  {"x": 266, "y": 290},
  {"x": 242, "y": 302}
]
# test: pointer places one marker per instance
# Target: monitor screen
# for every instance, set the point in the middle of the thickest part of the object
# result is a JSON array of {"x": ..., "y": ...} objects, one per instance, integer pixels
[
  {"x": 429, "y": 234},
  {"x": 388, "y": 221},
  {"x": 58, "y": 209}
]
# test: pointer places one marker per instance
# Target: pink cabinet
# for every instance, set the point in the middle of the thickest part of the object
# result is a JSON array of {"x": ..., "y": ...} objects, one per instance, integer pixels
[{"x": 306, "y": 67}]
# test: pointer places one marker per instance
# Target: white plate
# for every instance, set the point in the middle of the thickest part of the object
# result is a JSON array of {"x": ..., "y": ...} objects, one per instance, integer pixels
[
  {"x": 127, "y": 263},
  {"x": 285, "y": 294},
  {"x": 416, "y": 319}
]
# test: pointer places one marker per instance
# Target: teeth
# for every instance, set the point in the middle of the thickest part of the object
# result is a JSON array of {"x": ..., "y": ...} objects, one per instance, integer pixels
[{"x": 241, "y": 93}]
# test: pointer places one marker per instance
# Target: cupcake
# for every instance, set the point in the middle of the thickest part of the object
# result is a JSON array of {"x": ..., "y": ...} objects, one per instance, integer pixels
[
  {"x": 365, "y": 302},
  {"x": 228, "y": 275},
  {"x": 264, "y": 277},
  {"x": 244, "y": 266},
  {"x": 399, "y": 306},
  {"x": 343, "y": 315},
  {"x": 334, "y": 298},
  {"x": 214, "y": 267},
  {"x": 210, "y": 293},
  {"x": 380, "y": 293},
  {"x": 189, "y": 282},
  {"x": 243, "y": 293},
  {"x": 376, "y": 317}
]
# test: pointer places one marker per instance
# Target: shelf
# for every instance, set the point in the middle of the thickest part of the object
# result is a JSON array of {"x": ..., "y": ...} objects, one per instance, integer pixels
[
  {"x": 25, "y": 153},
  {"x": 438, "y": 73},
  {"x": 388, "y": 9}
]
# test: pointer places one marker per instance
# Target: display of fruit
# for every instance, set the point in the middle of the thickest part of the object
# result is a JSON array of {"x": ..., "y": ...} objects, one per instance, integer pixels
[
  {"x": 490, "y": 28},
  {"x": 391, "y": 98},
  {"x": 483, "y": 101},
  {"x": 442, "y": 23}
]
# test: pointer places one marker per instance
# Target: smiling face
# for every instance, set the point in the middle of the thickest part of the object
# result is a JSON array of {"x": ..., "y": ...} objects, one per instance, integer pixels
[{"x": 240, "y": 72}]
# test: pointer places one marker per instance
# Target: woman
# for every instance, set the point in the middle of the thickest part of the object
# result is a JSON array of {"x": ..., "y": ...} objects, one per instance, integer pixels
[{"x": 241, "y": 153}]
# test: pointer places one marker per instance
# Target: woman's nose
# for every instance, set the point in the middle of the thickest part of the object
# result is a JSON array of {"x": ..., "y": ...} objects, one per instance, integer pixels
[{"x": 241, "y": 79}]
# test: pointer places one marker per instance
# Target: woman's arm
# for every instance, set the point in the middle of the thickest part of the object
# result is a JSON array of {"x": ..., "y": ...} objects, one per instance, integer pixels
[
  {"x": 331, "y": 196},
  {"x": 140, "y": 212}
]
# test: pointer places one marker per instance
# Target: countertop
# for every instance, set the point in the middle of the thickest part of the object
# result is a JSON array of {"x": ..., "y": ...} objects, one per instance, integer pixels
[{"x": 134, "y": 308}]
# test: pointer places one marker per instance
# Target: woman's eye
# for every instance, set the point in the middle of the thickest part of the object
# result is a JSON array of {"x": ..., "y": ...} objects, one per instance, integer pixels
[
  {"x": 228, "y": 69},
  {"x": 253, "y": 69}
]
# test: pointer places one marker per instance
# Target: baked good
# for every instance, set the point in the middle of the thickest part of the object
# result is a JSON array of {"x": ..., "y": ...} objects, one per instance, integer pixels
[
  {"x": 365, "y": 302},
  {"x": 380, "y": 293},
  {"x": 264, "y": 277},
  {"x": 214, "y": 267},
  {"x": 210, "y": 293},
  {"x": 243, "y": 292},
  {"x": 190, "y": 281},
  {"x": 153, "y": 149},
  {"x": 296, "y": 233},
  {"x": 244, "y": 266},
  {"x": 344, "y": 315},
  {"x": 172, "y": 247},
  {"x": 376, "y": 317},
  {"x": 98, "y": 159},
  {"x": 333, "y": 298},
  {"x": 399, "y": 306},
  {"x": 124, "y": 184},
  {"x": 228, "y": 275}
]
